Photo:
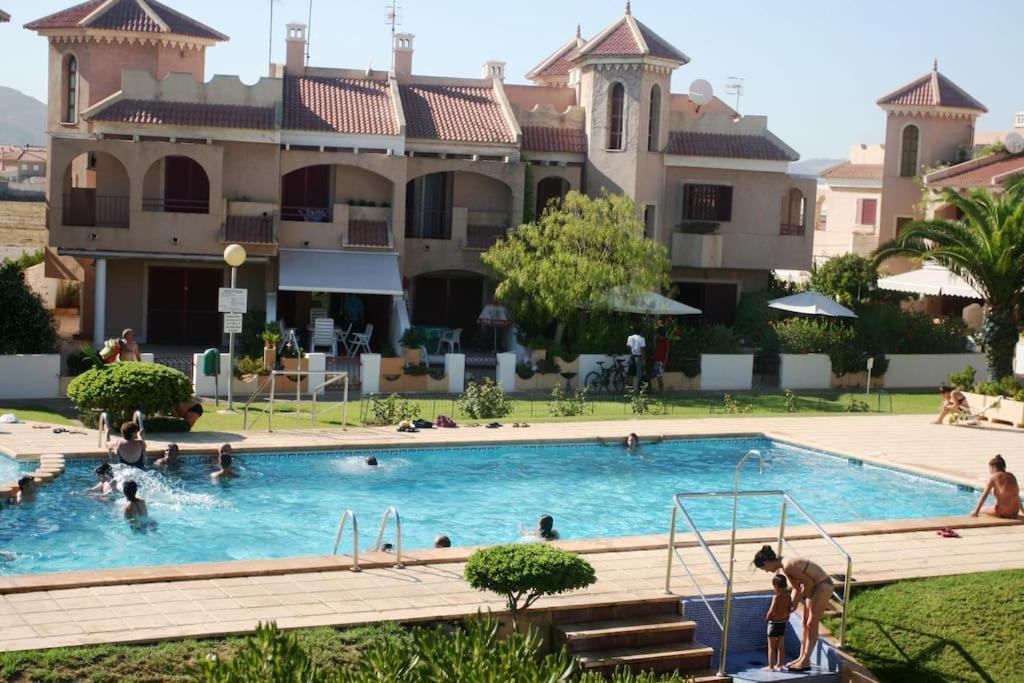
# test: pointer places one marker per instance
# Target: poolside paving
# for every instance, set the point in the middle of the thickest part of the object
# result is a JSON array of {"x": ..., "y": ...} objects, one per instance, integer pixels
[{"x": 312, "y": 594}]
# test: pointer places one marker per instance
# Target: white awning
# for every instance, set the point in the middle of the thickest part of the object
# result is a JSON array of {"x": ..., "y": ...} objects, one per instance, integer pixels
[
  {"x": 930, "y": 279},
  {"x": 648, "y": 303},
  {"x": 305, "y": 270},
  {"x": 811, "y": 303}
]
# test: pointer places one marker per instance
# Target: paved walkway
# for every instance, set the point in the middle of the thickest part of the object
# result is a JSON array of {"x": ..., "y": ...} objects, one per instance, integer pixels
[{"x": 304, "y": 597}]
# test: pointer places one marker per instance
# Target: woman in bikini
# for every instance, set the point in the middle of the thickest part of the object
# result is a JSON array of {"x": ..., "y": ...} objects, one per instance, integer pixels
[
  {"x": 129, "y": 450},
  {"x": 812, "y": 586}
]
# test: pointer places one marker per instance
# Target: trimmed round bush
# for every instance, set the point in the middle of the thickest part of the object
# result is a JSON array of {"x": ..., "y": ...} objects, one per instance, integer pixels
[
  {"x": 526, "y": 572},
  {"x": 122, "y": 388}
]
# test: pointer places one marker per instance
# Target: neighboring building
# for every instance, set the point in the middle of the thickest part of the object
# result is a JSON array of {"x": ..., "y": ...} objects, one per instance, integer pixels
[
  {"x": 22, "y": 163},
  {"x": 929, "y": 123},
  {"x": 353, "y": 189}
]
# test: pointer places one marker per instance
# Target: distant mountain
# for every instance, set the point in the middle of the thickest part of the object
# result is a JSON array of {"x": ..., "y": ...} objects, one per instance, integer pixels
[
  {"x": 22, "y": 118},
  {"x": 813, "y": 166}
]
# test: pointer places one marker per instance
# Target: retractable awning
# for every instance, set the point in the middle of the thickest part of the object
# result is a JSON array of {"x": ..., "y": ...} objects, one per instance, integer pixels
[
  {"x": 338, "y": 272},
  {"x": 931, "y": 279}
]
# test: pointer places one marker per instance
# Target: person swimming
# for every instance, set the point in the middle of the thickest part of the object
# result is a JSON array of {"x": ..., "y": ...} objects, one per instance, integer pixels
[
  {"x": 169, "y": 458},
  {"x": 545, "y": 530},
  {"x": 442, "y": 542},
  {"x": 26, "y": 489},
  {"x": 224, "y": 461},
  {"x": 632, "y": 442},
  {"x": 129, "y": 450},
  {"x": 371, "y": 461},
  {"x": 136, "y": 510},
  {"x": 105, "y": 484}
]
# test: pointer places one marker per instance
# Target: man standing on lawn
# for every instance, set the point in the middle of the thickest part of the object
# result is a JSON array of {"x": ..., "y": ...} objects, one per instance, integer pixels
[{"x": 638, "y": 354}]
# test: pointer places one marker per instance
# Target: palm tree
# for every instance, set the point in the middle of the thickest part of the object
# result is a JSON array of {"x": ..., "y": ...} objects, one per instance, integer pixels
[{"x": 986, "y": 248}]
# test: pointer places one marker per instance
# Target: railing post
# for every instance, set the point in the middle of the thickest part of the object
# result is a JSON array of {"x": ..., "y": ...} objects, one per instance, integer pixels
[
  {"x": 270, "y": 412},
  {"x": 344, "y": 407},
  {"x": 782, "y": 527},
  {"x": 846, "y": 602},
  {"x": 671, "y": 548}
]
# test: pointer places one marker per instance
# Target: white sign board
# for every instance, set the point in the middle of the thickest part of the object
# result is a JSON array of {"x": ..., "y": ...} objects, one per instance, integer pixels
[
  {"x": 233, "y": 323},
  {"x": 232, "y": 300}
]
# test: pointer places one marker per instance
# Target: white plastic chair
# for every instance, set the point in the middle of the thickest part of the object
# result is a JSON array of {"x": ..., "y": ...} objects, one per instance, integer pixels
[
  {"x": 343, "y": 336},
  {"x": 361, "y": 340},
  {"x": 315, "y": 313},
  {"x": 452, "y": 339},
  {"x": 323, "y": 335}
]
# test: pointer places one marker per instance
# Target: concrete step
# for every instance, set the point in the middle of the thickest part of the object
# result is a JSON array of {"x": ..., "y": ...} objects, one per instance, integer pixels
[
  {"x": 611, "y": 634},
  {"x": 657, "y": 658},
  {"x": 620, "y": 609}
]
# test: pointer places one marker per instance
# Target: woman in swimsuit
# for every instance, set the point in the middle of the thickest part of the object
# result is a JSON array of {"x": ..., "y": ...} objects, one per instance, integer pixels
[
  {"x": 811, "y": 585},
  {"x": 130, "y": 450},
  {"x": 190, "y": 411}
]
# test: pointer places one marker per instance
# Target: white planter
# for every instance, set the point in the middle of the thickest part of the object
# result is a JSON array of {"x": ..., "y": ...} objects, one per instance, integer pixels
[
  {"x": 910, "y": 371},
  {"x": 30, "y": 376},
  {"x": 805, "y": 371},
  {"x": 733, "y": 372},
  {"x": 1009, "y": 411}
]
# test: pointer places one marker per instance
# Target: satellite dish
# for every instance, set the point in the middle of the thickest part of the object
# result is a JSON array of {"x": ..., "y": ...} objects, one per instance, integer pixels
[
  {"x": 701, "y": 92},
  {"x": 1014, "y": 143}
]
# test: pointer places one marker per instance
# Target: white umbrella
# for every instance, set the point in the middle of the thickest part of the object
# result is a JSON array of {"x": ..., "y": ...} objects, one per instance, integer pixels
[
  {"x": 649, "y": 303},
  {"x": 811, "y": 303}
]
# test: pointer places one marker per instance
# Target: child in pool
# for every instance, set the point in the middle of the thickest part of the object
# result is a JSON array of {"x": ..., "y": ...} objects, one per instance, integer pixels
[{"x": 777, "y": 618}]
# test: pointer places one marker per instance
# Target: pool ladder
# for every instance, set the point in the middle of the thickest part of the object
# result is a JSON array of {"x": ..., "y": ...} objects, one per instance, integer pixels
[
  {"x": 103, "y": 427},
  {"x": 392, "y": 511}
]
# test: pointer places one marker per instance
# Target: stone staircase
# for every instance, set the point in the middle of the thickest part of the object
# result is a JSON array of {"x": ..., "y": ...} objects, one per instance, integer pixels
[{"x": 647, "y": 635}]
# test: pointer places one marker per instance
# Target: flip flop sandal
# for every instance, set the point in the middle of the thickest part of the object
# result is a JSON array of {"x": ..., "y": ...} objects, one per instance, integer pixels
[
  {"x": 493, "y": 425},
  {"x": 948, "y": 533}
]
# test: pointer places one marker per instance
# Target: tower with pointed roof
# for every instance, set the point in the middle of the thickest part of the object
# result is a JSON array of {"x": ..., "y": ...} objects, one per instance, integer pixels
[
  {"x": 92, "y": 42},
  {"x": 928, "y": 122}
]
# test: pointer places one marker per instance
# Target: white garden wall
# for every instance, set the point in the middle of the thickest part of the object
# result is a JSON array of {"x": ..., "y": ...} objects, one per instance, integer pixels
[
  {"x": 589, "y": 364},
  {"x": 206, "y": 386},
  {"x": 805, "y": 371},
  {"x": 734, "y": 372},
  {"x": 30, "y": 376},
  {"x": 915, "y": 371}
]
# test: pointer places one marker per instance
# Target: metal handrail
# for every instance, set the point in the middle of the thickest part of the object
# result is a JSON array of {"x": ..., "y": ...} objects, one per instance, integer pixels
[
  {"x": 102, "y": 429},
  {"x": 398, "y": 535},
  {"x": 139, "y": 419},
  {"x": 347, "y": 515},
  {"x": 245, "y": 409},
  {"x": 274, "y": 374},
  {"x": 341, "y": 375},
  {"x": 841, "y": 602}
]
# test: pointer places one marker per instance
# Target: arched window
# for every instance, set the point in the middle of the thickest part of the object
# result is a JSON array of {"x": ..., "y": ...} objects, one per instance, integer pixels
[
  {"x": 908, "y": 152},
  {"x": 654, "y": 119},
  {"x": 616, "y": 116},
  {"x": 71, "y": 90}
]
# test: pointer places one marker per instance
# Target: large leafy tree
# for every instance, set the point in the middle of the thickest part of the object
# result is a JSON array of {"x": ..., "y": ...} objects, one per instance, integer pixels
[
  {"x": 574, "y": 255},
  {"x": 850, "y": 279},
  {"x": 985, "y": 247},
  {"x": 26, "y": 326}
]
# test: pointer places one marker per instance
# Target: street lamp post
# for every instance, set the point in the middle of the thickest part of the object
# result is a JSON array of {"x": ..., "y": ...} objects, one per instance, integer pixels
[{"x": 234, "y": 256}]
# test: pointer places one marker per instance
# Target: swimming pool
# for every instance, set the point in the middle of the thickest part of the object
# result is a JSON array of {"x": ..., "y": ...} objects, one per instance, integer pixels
[
  {"x": 289, "y": 505},
  {"x": 10, "y": 470}
]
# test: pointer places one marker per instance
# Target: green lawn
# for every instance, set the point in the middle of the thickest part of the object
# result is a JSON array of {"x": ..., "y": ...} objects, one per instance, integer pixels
[
  {"x": 170, "y": 661},
  {"x": 957, "y": 628},
  {"x": 36, "y": 413},
  {"x": 535, "y": 409}
]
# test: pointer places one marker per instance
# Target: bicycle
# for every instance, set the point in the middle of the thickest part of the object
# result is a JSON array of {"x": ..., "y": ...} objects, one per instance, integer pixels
[{"x": 611, "y": 378}]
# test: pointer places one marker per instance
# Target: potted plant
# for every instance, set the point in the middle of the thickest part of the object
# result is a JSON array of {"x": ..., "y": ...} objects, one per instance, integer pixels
[
  {"x": 290, "y": 357},
  {"x": 413, "y": 341},
  {"x": 271, "y": 337}
]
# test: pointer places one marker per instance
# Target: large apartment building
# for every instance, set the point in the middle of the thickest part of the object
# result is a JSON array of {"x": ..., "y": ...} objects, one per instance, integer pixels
[{"x": 375, "y": 192}]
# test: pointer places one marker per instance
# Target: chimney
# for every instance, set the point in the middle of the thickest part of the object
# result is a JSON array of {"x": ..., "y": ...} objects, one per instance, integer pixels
[
  {"x": 493, "y": 70},
  {"x": 1018, "y": 120},
  {"x": 402, "y": 68},
  {"x": 295, "y": 61}
]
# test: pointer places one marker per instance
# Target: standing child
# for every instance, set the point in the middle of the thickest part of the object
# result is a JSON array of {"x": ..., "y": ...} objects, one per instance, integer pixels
[{"x": 777, "y": 618}]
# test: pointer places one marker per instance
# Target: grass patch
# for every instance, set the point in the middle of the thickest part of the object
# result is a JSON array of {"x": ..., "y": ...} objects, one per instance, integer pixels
[
  {"x": 955, "y": 628},
  {"x": 173, "y": 661},
  {"x": 535, "y": 409},
  {"x": 35, "y": 413}
]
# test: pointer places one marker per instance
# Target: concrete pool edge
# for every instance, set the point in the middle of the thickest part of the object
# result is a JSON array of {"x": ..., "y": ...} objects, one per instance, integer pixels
[{"x": 28, "y": 583}]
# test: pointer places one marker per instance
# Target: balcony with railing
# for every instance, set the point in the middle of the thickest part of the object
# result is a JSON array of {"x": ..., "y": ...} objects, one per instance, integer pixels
[
  {"x": 174, "y": 205},
  {"x": 84, "y": 208},
  {"x": 429, "y": 224},
  {"x": 307, "y": 214},
  {"x": 483, "y": 228}
]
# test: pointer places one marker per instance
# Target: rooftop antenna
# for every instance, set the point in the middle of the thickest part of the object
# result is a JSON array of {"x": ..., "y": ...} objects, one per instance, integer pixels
[
  {"x": 734, "y": 86},
  {"x": 394, "y": 20},
  {"x": 270, "y": 41},
  {"x": 309, "y": 29}
]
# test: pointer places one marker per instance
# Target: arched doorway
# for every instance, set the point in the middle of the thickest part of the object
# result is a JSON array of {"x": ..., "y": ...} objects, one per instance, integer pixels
[
  {"x": 549, "y": 189},
  {"x": 176, "y": 184},
  {"x": 95, "y": 192}
]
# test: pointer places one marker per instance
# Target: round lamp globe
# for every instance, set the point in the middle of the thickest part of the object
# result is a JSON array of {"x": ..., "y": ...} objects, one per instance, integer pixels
[{"x": 234, "y": 255}]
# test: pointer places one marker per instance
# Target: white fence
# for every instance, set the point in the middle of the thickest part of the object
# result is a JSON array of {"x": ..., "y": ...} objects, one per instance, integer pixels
[
  {"x": 915, "y": 371},
  {"x": 805, "y": 371},
  {"x": 30, "y": 376},
  {"x": 734, "y": 372}
]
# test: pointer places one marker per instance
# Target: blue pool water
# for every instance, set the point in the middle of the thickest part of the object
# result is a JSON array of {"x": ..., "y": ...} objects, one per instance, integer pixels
[
  {"x": 10, "y": 470},
  {"x": 289, "y": 505}
]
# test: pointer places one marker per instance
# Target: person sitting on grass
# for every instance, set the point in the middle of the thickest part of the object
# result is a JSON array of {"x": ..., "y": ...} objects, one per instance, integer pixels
[
  {"x": 129, "y": 450},
  {"x": 170, "y": 457},
  {"x": 26, "y": 489},
  {"x": 777, "y": 618},
  {"x": 953, "y": 403},
  {"x": 224, "y": 461},
  {"x": 136, "y": 509},
  {"x": 105, "y": 483},
  {"x": 1003, "y": 486}
]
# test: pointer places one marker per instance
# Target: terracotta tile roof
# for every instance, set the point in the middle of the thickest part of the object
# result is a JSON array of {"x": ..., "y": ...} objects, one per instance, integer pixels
[
  {"x": 562, "y": 63},
  {"x": 549, "y": 139},
  {"x": 987, "y": 172},
  {"x": 757, "y": 147},
  {"x": 200, "y": 115},
  {"x": 628, "y": 37},
  {"x": 932, "y": 90},
  {"x": 128, "y": 16},
  {"x": 456, "y": 113},
  {"x": 339, "y": 105},
  {"x": 619, "y": 41},
  {"x": 848, "y": 171},
  {"x": 658, "y": 46},
  {"x": 249, "y": 229}
]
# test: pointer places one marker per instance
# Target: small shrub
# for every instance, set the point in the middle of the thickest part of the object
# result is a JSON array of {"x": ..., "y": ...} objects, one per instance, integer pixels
[
  {"x": 792, "y": 402},
  {"x": 857, "y": 406},
  {"x": 963, "y": 380},
  {"x": 122, "y": 388},
  {"x": 525, "y": 572},
  {"x": 732, "y": 406},
  {"x": 1006, "y": 387},
  {"x": 271, "y": 335},
  {"x": 524, "y": 370},
  {"x": 28, "y": 259},
  {"x": 26, "y": 326},
  {"x": 414, "y": 337},
  {"x": 639, "y": 402},
  {"x": 414, "y": 370},
  {"x": 69, "y": 295},
  {"x": 485, "y": 400},
  {"x": 548, "y": 365},
  {"x": 563, "y": 406},
  {"x": 392, "y": 410},
  {"x": 246, "y": 366},
  {"x": 86, "y": 358},
  {"x": 268, "y": 655}
]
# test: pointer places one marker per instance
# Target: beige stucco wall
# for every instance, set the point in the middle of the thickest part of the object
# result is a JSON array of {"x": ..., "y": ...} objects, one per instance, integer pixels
[
  {"x": 843, "y": 233},
  {"x": 251, "y": 172}
]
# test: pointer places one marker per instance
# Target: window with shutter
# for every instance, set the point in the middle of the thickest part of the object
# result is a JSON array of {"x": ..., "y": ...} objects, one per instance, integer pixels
[
  {"x": 868, "y": 211},
  {"x": 707, "y": 203}
]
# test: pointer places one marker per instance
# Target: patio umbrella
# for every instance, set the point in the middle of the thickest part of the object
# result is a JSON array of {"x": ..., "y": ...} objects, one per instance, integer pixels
[
  {"x": 494, "y": 315},
  {"x": 649, "y": 303},
  {"x": 811, "y": 303}
]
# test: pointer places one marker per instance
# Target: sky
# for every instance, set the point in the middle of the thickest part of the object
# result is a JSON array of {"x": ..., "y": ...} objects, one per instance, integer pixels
[{"x": 814, "y": 67}]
